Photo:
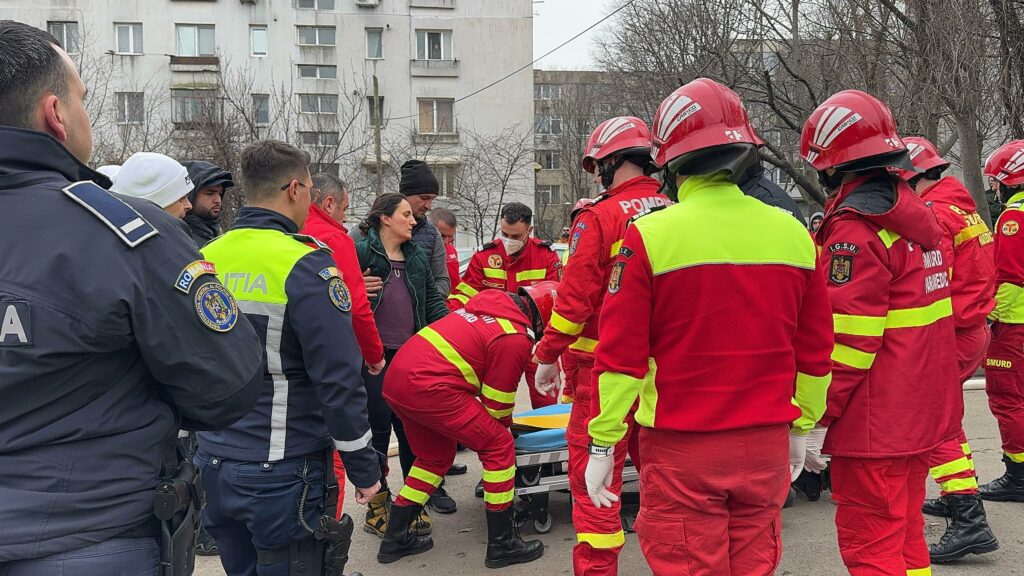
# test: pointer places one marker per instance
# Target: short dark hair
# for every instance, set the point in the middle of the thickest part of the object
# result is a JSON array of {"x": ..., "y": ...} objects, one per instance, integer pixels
[
  {"x": 326, "y": 184},
  {"x": 516, "y": 212},
  {"x": 267, "y": 165},
  {"x": 384, "y": 205},
  {"x": 443, "y": 215},
  {"x": 29, "y": 67}
]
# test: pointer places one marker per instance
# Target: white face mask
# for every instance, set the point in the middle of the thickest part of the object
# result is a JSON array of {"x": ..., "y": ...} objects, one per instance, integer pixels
[{"x": 512, "y": 245}]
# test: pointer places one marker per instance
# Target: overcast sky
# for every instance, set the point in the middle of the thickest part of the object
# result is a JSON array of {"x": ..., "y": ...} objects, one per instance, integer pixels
[{"x": 555, "y": 21}]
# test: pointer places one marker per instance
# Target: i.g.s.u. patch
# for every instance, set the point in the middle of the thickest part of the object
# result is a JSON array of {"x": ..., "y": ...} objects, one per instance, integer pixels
[
  {"x": 339, "y": 294},
  {"x": 615, "y": 281},
  {"x": 192, "y": 272},
  {"x": 625, "y": 252},
  {"x": 844, "y": 247},
  {"x": 840, "y": 271},
  {"x": 216, "y": 307}
]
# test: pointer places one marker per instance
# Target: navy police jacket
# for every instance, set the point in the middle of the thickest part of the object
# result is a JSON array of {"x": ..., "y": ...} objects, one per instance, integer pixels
[{"x": 113, "y": 334}]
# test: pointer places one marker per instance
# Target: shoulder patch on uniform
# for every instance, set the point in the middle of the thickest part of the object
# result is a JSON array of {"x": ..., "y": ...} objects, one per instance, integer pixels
[
  {"x": 307, "y": 239},
  {"x": 615, "y": 280},
  {"x": 488, "y": 245},
  {"x": 339, "y": 294},
  {"x": 643, "y": 213},
  {"x": 574, "y": 242},
  {"x": 625, "y": 252},
  {"x": 329, "y": 272},
  {"x": 844, "y": 247},
  {"x": 840, "y": 270},
  {"x": 216, "y": 307},
  {"x": 494, "y": 261},
  {"x": 1009, "y": 228},
  {"x": 193, "y": 271},
  {"x": 124, "y": 220}
]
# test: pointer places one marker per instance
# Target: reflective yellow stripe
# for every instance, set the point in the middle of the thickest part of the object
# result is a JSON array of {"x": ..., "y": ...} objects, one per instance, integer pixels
[
  {"x": 495, "y": 273},
  {"x": 923, "y": 316},
  {"x": 966, "y": 448},
  {"x": 499, "y": 414},
  {"x": 467, "y": 289},
  {"x": 498, "y": 395},
  {"x": 584, "y": 345},
  {"x": 888, "y": 237},
  {"x": 969, "y": 233},
  {"x": 811, "y": 392},
  {"x": 564, "y": 325},
  {"x": 615, "y": 248},
  {"x": 920, "y": 572},
  {"x": 859, "y": 325},
  {"x": 459, "y": 297},
  {"x": 602, "y": 541},
  {"x": 852, "y": 357},
  {"x": 566, "y": 399},
  {"x": 959, "y": 484},
  {"x": 534, "y": 274},
  {"x": 507, "y": 326},
  {"x": 1017, "y": 458},
  {"x": 495, "y": 476},
  {"x": 949, "y": 468},
  {"x": 499, "y": 497},
  {"x": 450, "y": 355},
  {"x": 426, "y": 476},
  {"x": 418, "y": 496}
]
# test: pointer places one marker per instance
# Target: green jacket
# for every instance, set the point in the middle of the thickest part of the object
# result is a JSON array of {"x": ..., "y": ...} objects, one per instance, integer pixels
[{"x": 428, "y": 302}]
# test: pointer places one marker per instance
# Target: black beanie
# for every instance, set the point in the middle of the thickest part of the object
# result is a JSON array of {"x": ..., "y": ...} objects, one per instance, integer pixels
[{"x": 417, "y": 179}]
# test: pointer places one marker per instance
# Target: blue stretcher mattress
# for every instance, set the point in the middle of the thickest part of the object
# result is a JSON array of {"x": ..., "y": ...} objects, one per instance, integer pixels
[{"x": 553, "y": 418}]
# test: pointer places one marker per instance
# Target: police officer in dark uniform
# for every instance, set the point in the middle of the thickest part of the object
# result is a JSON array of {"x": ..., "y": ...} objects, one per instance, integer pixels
[{"x": 113, "y": 333}]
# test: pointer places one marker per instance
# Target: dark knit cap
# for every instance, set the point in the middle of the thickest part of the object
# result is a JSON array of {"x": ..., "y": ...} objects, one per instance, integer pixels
[
  {"x": 205, "y": 174},
  {"x": 417, "y": 179}
]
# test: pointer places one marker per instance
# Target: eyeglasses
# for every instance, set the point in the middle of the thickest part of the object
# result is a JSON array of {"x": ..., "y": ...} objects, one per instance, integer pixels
[{"x": 285, "y": 187}]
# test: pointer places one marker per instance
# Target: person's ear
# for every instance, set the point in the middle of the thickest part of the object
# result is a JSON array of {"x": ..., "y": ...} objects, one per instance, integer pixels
[
  {"x": 293, "y": 191},
  {"x": 329, "y": 204},
  {"x": 53, "y": 117}
]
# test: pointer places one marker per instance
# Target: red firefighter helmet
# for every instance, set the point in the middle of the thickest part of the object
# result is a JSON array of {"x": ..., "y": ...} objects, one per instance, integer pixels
[
  {"x": 923, "y": 155},
  {"x": 614, "y": 136},
  {"x": 1006, "y": 164},
  {"x": 541, "y": 298},
  {"x": 699, "y": 115},
  {"x": 852, "y": 131}
]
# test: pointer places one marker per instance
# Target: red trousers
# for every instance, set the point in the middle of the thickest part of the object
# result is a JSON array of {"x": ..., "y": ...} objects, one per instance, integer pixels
[
  {"x": 878, "y": 514},
  {"x": 537, "y": 400},
  {"x": 599, "y": 535},
  {"x": 951, "y": 463},
  {"x": 711, "y": 502},
  {"x": 1004, "y": 382},
  {"x": 570, "y": 367},
  {"x": 436, "y": 420}
]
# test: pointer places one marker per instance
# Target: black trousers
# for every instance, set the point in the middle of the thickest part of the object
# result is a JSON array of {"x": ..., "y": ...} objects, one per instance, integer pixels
[{"x": 383, "y": 419}]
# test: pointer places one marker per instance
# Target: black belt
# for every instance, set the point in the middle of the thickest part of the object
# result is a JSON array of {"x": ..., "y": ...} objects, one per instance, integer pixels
[{"x": 148, "y": 529}]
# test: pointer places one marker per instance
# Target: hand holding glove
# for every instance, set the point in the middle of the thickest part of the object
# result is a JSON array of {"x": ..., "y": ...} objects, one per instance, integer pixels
[
  {"x": 814, "y": 461},
  {"x": 599, "y": 477},
  {"x": 547, "y": 380},
  {"x": 797, "y": 454}
]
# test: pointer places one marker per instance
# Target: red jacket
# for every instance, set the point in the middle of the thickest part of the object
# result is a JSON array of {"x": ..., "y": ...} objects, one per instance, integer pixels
[
  {"x": 482, "y": 349},
  {"x": 490, "y": 267},
  {"x": 452, "y": 262},
  {"x": 1009, "y": 259},
  {"x": 716, "y": 317},
  {"x": 967, "y": 249},
  {"x": 594, "y": 242},
  {"x": 895, "y": 386},
  {"x": 321, "y": 226}
]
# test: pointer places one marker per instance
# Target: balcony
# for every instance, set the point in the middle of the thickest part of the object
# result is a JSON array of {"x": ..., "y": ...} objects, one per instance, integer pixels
[
  {"x": 435, "y": 139},
  {"x": 434, "y": 68},
  {"x": 445, "y": 4},
  {"x": 195, "y": 64}
]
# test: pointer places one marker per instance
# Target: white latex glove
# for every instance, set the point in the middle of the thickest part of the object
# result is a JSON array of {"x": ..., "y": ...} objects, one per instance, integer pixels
[
  {"x": 599, "y": 477},
  {"x": 815, "y": 462},
  {"x": 797, "y": 454},
  {"x": 547, "y": 379}
]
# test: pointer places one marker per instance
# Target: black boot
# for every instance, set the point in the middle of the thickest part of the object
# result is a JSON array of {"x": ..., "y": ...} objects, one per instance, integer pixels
[
  {"x": 504, "y": 546},
  {"x": 810, "y": 484},
  {"x": 441, "y": 502},
  {"x": 399, "y": 540},
  {"x": 479, "y": 490},
  {"x": 937, "y": 507},
  {"x": 1007, "y": 488},
  {"x": 967, "y": 533}
]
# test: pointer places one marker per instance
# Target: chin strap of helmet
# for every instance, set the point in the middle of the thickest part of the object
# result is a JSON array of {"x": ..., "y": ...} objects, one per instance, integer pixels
[
  {"x": 668, "y": 184},
  {"x": 830, "y": 183},
  {"x": 607, "y": 171}
]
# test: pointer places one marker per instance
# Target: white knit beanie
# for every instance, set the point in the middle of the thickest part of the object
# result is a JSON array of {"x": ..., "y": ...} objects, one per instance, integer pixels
[
  {"x": 154, "y": 177},
  {"x": 110, "y": 171}
]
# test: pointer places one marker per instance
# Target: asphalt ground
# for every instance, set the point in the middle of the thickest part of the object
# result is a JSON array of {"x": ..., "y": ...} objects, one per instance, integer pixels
[{"x": 809, "y": 534}]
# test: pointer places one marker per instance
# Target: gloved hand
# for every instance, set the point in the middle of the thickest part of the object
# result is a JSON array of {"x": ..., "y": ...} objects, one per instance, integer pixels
[
  {"x": 797, "y": 454},
  {"x": 599, "y": 477},
  {"x": 814, "y": 461},
  {"x": 547, "y": 379}
]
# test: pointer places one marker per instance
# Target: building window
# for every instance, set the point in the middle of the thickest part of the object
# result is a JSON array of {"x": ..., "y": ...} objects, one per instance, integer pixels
[
  {"x": 319, "y": 139},
  {"x": 549, "y": 195},
  {"x": 549, "y": 159},
  {"x": 375, "y": 111},
  {"x": 317, "y": 168},
  {"x": 446, "y": 175},
  {"x": 66, "y": 33},
  {"x": 547, "y": 91},
  {"x": 318, "y": 103},
  {"x": 261, "y": 109},
  {"x": 318, "y": 72},
  {"x": 315, "y": 4},
  {"x": 549, "y": 124},
  {"x": 434, "y": 45},
  {"x": 436, "y": 117},
  {"x": 195, "y": 40},
  {"x": 316, "y": 35},
  {"x": 129, "y": 38},
  {"x": 130, "y": 109},
  {"x": 375, "y": 43},
  {"x": 258, "y": 40},
  {"x": 192, "y": 105}
]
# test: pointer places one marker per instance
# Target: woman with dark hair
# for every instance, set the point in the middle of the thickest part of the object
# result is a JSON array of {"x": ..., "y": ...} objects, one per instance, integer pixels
[{"x": 407, "y": 302}]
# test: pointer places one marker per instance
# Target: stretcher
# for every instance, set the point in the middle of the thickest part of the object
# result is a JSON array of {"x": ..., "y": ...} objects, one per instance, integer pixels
[{"x": 542, "y": 463}]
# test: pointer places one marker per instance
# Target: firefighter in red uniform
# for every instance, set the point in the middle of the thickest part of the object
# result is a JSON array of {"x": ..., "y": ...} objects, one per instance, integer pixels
[
  {"x": 508, "y": 263},
  {"x": 732, "y": 365},
  {"x": 967, "y": 251},
  {"x": 1004, "y": 362},
  {"x": 895, "y": 394},
  {"x": 618, "y": 152},
  {"x": 568, "y": 359},
  {"x": 454, "y": 383}
]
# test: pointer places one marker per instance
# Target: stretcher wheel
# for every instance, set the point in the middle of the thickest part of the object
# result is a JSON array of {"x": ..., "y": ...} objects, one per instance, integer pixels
[
  {"x": 527, "y": 479},
  {"x": 543, "y": 526}
]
